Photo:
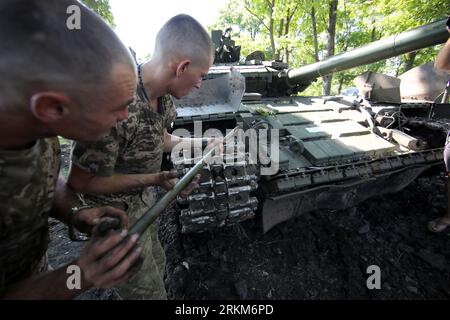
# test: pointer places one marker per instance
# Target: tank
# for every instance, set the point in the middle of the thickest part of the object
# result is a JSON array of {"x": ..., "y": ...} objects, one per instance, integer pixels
[{"x": 296, "y": 153}]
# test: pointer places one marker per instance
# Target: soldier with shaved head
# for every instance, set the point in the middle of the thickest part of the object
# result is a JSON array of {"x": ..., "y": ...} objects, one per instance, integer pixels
[
  {"x": 56, "y": 81},
  {"x": 119, "y": 168}
]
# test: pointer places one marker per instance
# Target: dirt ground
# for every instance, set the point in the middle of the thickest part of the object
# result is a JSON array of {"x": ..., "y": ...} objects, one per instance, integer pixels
[{"x": 319, "y": 255}]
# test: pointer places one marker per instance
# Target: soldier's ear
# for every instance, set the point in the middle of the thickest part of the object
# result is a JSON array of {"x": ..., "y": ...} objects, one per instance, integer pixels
[
  {"x": 182, "y": 67},
  {"x": 49, "y": 106}
]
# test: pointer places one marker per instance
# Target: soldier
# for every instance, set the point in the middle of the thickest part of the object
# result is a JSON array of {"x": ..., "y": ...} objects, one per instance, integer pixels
[
  {"x": 443, "y": 63},
  {"x": 443, "y": 59},
  {"x": 118, "y": 169},
  {"x": 56, "y": 81}
]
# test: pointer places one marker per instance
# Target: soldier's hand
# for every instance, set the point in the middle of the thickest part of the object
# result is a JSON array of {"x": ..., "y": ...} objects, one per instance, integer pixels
[
  {"x": 109, "y": 261},
  {"x": 168, "y": 179},
  {"x": 214, "y": 142},
  {"x": 194, "y": 184},
  {"x": 85, "y": 220}
]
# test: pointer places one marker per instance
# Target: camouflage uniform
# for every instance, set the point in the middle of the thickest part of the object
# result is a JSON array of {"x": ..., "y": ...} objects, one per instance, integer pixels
[
  {"x": 134, "y": 146},
  {"x": 27, "y": 185}
]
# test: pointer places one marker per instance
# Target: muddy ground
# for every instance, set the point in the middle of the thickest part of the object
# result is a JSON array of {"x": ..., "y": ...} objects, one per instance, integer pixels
[{"x": 319, "y": 255}]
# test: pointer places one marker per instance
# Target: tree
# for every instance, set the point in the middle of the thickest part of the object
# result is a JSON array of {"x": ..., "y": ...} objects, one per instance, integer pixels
[
  {"x": 402, "y": 15},
  {"x": 276, "y": 16},
  {"x": 331, "y": 32},
  {"x": 246, "y": 29},
  {"x": 314, "y": 33},
  {"x": 360, "y": 22},
  {"x": 307, "y": 31},
  {"x": 267, "y": 21},
  {"x": 102, "y": 8}
]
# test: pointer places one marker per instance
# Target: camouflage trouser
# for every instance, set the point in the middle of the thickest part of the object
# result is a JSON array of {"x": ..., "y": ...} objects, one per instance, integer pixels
[
  {"x": 39, "y": 267},
  {"x": 44, "y": 266},
  {"x": 148, "y": 283}
]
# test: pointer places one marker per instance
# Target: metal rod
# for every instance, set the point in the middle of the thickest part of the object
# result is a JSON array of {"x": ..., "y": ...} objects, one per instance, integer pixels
[{"x": 150, "y": 215}]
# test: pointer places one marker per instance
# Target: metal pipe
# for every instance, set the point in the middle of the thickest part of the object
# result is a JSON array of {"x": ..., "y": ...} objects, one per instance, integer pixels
[
  {"x": 150, "y": 215},
  {"x": 418, "y": 38}
]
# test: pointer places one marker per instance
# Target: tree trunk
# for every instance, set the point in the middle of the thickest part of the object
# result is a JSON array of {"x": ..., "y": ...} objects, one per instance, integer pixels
[
  {"x": 283, "y": 31},
  {"x": 289, "y": 17},
  {"x": 286, "y": 33},
  {"x": 314, "y": 29},
  {"x": 270, "y": 27},
  {"x": 373, "y": 34},
  {"x": 286, "y": 50},
  {"x": 410, "y": 60},
  {"x": 280, "y": 34},
  {"x": 271, "y": 5},
  {"x": 331, "y": 30},
  {"x": 341, "y": 82}
]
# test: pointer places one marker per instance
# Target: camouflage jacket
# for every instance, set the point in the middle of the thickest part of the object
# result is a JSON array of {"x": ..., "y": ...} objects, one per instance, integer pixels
[
  {"x": 27, "y": 185},
  {"x": 134, "y": 145}
]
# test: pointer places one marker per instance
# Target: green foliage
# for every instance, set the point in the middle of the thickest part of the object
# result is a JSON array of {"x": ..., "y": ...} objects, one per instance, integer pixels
[
  {"x": 102, "y": 8},
  {"x": 246, "y": 29},
  {"x": 315, "y": 89},
  {"x": 257, "y": 26}
]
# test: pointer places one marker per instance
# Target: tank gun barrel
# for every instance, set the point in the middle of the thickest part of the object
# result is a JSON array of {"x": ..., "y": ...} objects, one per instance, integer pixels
[{"x": 418, "y": 38}]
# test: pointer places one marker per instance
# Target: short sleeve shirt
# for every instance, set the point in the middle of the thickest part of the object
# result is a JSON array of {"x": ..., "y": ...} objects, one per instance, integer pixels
[
  {"x": 134, "y": 145},
  {"x": 27, "y": 186}
]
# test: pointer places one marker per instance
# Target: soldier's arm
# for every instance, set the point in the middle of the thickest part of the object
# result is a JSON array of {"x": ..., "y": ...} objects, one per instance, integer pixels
[
  {"x": 104, "y": 263},
  {"x": 83, "y": 181},
  {"x": 170, "y": 141},
  {"x": 50, "y": 285},
  {"x": 85, "y": 177},
  {"x": 93, "y": 167},
  {"x": 84, "y": 220},
  {"x": 443, "y": 58}
]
